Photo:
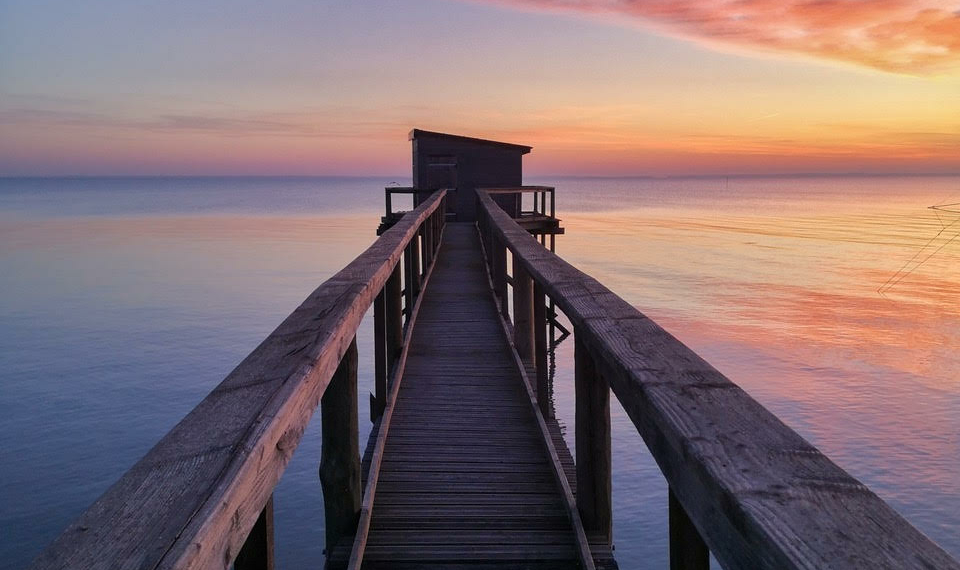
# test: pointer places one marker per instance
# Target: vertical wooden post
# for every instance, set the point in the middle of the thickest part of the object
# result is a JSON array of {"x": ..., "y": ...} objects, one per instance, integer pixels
[
  {"x": 593, "y": 443},
  {"x": 424, "y": 250},
  {"x": 414, "y": 247},
  {"x": 394, "y": 317},
  {"x": 687, "y": 549},
  {"x": 489, "y": 244},
  {"x": 523, "y": 312},
  {"x": 380, "y": 355},
  {"x": 427, "y": 253},
  {"x": 425, "y": 242},
  {"x": 499, "y": 256},
  {"x": 257, "y": 552},
  {"x": 540, "y": 350},
  {"x": 340, "y": 452},
  {"x": 407, "y": 283}
]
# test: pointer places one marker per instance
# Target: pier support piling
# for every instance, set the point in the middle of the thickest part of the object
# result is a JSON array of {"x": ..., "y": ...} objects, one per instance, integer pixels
[
  {"x": 594, "y": 497},
  {"x": 540, "y": 350},
  {"x": 523, "y": 319},
  {"x": 381, "y": 358},
  {"x": 340, "y": 453}
]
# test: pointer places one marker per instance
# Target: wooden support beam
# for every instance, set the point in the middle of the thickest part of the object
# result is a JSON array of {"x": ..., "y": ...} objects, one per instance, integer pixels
[
  {"x": 257, "y": 550},
  {"x": 424, "y": 251},
  {"x": 380, "y": 357},
  {"x": 415, "y": 266},
  {"x": 594, "y": 497},
  {"x": 427, "y": 249},
  {"x": 393, "y": 305},
  {"x": 688, "y": 551},
  {"x": 540, "y": 350},
  {"x": 499, "y": 255},
  {"x": 523, "y": 322},
  {"x": 489, "y": 245},
  {"x": 408, "y": 293},
  {"x": 340, "y": 453}
]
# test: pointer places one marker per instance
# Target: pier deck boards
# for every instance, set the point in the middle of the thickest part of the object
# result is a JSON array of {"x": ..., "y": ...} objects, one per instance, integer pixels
[{"x": 466, "y": 479}]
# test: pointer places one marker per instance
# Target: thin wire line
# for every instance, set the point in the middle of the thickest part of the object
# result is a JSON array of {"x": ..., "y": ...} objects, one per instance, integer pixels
[
  {"x": 915, "y": 255},
  {"x": 955, "y": 236}
]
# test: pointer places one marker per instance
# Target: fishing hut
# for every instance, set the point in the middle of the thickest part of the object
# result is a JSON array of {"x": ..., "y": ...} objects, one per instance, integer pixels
[
  {"x": 461, "y": 165},
  {"x": 466, "y": 466}
]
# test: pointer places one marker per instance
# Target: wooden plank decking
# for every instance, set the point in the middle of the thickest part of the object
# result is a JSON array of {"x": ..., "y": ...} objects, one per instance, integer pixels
[{"x": 466, "y": 478}]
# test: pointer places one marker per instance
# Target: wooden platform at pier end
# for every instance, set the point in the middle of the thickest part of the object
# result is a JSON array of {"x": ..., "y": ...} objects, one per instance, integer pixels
[{"x": 466, "y": 480}]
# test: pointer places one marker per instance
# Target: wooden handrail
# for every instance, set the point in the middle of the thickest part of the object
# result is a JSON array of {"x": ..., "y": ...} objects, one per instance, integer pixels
[
  {"x": 194, "y": 498},
  {"x": 758, "y": 494},
  {"x": 537, "y": 191}
]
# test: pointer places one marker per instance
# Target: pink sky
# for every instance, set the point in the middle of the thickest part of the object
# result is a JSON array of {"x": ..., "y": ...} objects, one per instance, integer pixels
[{"x": 596, "y": 86}]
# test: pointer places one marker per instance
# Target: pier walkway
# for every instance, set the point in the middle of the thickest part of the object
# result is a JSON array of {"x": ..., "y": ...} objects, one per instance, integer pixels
[
  {"x": 466, "y": 477},
  {"x": 466, "y": 468}
]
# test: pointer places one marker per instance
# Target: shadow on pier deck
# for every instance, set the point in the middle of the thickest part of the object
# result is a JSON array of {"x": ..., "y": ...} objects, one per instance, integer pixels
[{"x": 466, "y": 477}]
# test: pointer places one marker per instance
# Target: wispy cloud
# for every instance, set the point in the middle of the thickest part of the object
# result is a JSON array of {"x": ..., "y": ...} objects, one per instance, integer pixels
[
  {"x": 327, "y": 123},
  {"x": 918, "y": 37}
]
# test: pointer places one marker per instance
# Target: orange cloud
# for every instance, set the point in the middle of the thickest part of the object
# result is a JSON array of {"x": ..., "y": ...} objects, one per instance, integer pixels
[{"x": 902, "y": 36}]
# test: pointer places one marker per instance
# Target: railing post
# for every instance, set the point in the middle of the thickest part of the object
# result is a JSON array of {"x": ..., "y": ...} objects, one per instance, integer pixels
[
  {"x": 428, "y": 241},
  {"x": 491, "y": 257},
  {"x": 380, "y": 357},
  {"x": 540, "y": 349},
  {"x": 407, "y": 283},
  {"x": 523, "y": 312},
  {"x": 593, "y": 443},
  {"x": 424, "y": 248},
  {"x": 687, "y": 549},
  {"x": 499, "y": 256},
  {"x": 340, "y": 452},
  {"x": 413, "y": 283},
  {"x": 393, "y": 318},
  {"x": 257, "y": 551}
]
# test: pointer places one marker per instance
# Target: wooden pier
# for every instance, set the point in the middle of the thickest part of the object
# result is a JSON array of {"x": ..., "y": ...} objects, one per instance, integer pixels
[
  {"x": 465, "y": 476},
  {"x": 465, "y": 467}
]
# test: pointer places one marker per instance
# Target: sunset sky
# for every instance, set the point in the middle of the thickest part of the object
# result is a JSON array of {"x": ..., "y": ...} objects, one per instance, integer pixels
[{"x": 605, "y": 87}]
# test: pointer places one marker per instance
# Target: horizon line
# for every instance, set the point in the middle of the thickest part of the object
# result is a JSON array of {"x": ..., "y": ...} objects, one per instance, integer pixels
[{"x": 557, "y": 176}]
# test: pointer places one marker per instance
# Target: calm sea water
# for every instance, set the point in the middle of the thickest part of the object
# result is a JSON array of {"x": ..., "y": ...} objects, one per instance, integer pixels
[{"x": 126, "y": 300}]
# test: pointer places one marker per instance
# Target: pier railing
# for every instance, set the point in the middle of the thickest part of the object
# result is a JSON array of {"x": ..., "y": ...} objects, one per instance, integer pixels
[
  {"x": 202, "y": 497},
  {"x": 742, "y": 485}
]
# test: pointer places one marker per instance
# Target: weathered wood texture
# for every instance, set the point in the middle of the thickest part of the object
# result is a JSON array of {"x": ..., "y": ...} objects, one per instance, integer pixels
[
  {"x": 523, "y": 324},
  {"x": 340, "y": 451},
  {"x": 257, "y": 552},
  {"x": 759, "y": 494},
  {"x": 592, "y": 433},
  {"x": 373, "y": 459},
  {"x": 464, "y": 478},
  {"x": 193, "y": 499}
]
